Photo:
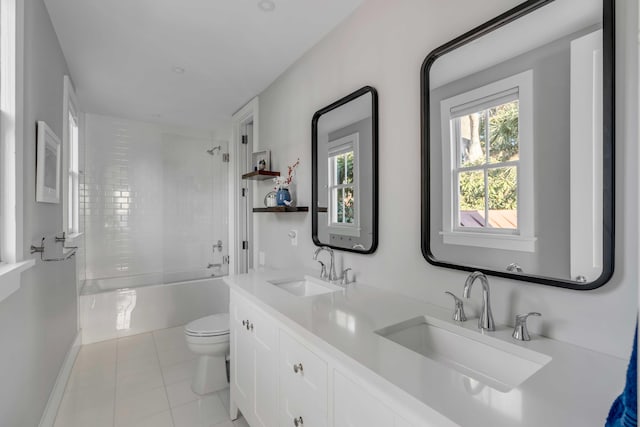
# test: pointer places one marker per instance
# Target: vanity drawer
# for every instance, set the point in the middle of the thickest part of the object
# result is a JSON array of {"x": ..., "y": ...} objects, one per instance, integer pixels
[
  {"x": 301, "y": 414},
  {"x": 303, "y": 381}
]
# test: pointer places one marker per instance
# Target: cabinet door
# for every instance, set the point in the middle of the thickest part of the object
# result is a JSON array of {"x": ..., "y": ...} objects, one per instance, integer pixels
[
  {"x": 354, "y": 407},
  {"x": 292, "y": 410},
  {"x": 302, "y": 384},
  {"x": 264, "y": 334},
  {"x": 242, "y": 359}
]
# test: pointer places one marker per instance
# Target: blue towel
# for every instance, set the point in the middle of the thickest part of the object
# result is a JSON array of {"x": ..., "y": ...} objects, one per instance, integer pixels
[{"x": 624, "y": 411}]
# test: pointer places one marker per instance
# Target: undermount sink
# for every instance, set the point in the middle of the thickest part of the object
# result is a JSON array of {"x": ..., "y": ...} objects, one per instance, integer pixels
[
  {"x": 305, "y": 287},
  {"x": 491, "y": 361}
]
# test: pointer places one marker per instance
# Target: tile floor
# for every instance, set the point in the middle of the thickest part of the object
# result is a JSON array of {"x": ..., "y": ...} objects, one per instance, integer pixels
[{"x": 143, "y": 380}]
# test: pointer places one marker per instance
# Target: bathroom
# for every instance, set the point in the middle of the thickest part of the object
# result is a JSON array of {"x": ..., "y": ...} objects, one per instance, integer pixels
[{"x": 158, "y": 220}]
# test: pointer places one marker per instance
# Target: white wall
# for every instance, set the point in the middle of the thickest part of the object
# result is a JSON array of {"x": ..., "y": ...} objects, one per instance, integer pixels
[
  {"x": 154, "y": 200},
  {"x": 38, "y": 322},
  {"x": 383, "y": 44}
]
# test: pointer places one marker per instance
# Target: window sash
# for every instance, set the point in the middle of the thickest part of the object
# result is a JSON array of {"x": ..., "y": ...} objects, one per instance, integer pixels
[
  {"x": 484, "y": 103},
  {"x": 498, "y": 91},
  {"x": 336, "y": 149}
]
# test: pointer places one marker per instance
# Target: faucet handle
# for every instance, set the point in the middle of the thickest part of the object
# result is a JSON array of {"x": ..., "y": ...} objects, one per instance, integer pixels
[
  {"x": 458, "y": 314},
  {"x": 323, "y": 270},
  {"x": 520, "y": 331},
  {"x": 345, "y": 276}
]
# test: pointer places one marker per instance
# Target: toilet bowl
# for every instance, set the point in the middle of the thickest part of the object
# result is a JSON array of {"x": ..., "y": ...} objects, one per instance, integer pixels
[{"x": 208, "y": 337}]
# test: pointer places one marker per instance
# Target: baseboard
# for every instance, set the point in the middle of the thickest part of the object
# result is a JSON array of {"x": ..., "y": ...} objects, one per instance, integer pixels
[{"x": 55, "y": 398}]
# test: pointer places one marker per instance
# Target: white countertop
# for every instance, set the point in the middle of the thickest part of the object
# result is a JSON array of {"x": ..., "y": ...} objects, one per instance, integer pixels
[{"x": 576, "y": 388}]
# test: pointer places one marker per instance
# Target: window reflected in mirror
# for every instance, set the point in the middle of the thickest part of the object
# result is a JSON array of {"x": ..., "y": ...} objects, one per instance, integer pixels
[
  {"x": 345, "y": 173},
  {"x": 518, "y": 146}
]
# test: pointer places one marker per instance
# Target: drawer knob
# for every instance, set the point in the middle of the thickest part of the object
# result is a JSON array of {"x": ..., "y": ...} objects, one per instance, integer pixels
[
  {"x": 298, "y": 421},
  {"x": 297, "y": 368}
]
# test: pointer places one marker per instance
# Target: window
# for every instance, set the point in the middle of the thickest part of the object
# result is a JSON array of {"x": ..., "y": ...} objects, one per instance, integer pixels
[
  {"x": 343, "y": 185},
  {"x": 11, "y": 130},
  {"x": 11, "y": 147},
  {"x": 488, "y": 178},
  {"x": 71, "y": 148}
]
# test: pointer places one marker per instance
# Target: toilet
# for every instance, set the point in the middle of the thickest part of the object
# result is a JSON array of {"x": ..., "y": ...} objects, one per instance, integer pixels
[{"x": 208, "y": 337}]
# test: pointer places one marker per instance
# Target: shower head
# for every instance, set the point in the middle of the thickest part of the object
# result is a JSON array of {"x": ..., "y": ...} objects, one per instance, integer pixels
[{"x": 213, "y": 150}]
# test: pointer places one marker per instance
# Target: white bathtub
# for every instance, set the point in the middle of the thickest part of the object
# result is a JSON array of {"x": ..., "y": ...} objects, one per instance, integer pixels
[{"x": 122, "y": 306}]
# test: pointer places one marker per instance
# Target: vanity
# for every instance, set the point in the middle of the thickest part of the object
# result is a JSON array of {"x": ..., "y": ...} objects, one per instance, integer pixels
[
  {"x": 517, "y": 182},
  {"x": 308, "y": 354}
]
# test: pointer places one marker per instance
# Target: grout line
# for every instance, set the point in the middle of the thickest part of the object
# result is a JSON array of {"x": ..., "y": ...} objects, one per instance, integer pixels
[
  {"x": 155, "y": 345},
  {"x": 152, "y": 389},
  {"x": 115, "y": 383}
]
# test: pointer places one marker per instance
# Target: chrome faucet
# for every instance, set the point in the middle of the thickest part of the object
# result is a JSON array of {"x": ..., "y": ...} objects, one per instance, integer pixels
[
  {"x": 485, "y": 322},
  {"x": 332, "y": 265}
]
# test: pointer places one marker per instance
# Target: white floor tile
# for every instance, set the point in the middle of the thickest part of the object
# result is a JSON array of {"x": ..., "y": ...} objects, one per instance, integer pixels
[
  {"x": 136, "y": 347},
  {"x": 225, "y": 398},
  {"x": 172, "y": 355},
  {"x": 172, "y": 346},
  {"x": 86, "y": 407},
  {"x": 140, "y": 381},
  {"x": 95, "y": 355},
  {"x": 205, "y": 412},
  {"x": 135, "y": 407},
  {"x": 180, "y": 393},
  {"x": 97, "y": 376},
  {"x": 96, "y": 417},
  {"x": 169, "y": 337},
  {"x": 163, "y": 419},
  {"x": 129, "y": 367},
  {"x": 179, "y": 372},
  {"x": 241, "y": 422}
]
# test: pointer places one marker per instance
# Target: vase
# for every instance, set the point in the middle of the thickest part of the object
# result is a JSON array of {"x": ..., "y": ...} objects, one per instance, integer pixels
[{"x": 283, "y": 195}]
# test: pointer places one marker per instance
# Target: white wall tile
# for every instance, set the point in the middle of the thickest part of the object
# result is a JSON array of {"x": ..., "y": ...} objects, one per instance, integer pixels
[{"x": 153, "y": 199}]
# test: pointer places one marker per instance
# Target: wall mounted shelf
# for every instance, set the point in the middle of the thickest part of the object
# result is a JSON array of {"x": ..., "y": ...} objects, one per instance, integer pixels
[
  {"x": 283, "y": 209},
  {"x": 260, "y": 175}
]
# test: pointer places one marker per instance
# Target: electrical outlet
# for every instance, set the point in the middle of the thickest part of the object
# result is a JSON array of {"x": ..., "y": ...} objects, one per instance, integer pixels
[
  {"x": 293, "y": 237},
  {"x": 261, "y": 258}
]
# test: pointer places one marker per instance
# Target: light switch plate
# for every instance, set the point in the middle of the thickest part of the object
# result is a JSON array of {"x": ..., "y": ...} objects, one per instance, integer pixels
[{"x": 293, "y": 237}]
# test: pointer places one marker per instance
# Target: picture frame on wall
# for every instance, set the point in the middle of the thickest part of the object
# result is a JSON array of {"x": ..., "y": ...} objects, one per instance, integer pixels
[
  {"x": 48, "y": 162},
  {"x": 261, "y": 160}
]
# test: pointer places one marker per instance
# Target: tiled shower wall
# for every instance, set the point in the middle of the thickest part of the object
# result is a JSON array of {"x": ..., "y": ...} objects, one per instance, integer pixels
[{"x": 155, "y": 201}]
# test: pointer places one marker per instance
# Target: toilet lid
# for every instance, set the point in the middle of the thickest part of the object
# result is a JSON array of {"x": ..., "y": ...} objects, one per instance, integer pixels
[{"x": 217, "y": 324}]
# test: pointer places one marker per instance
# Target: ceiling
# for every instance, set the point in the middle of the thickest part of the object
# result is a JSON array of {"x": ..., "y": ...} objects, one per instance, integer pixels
[{"x": 123, "y": 54}]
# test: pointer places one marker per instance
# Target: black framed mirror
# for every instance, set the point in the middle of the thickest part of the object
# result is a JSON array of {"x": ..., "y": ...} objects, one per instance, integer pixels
[
  {"x": 518, "y": 146},
  {"x": 344, "y": 147}
]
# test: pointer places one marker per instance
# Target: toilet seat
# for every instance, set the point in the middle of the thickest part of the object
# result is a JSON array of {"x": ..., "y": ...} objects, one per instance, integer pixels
[{"x": 209, "y": 326}]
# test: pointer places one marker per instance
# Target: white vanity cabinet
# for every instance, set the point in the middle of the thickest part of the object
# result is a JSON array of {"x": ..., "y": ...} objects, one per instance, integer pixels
[
  {"x": 254, "y": 339},
  {"x": 302, "y": 390},
  {"x": 279, "y": 379},
  {"x": 353, "y": 406}
]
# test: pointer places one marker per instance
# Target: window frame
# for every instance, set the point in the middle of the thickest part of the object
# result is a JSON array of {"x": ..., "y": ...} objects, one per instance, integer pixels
[
  {"x": 71, "y": 184},
  {"x": 352, "y": 140},
  {"x": 11, "y": 147},
  {"x": 523, "y": 239}
]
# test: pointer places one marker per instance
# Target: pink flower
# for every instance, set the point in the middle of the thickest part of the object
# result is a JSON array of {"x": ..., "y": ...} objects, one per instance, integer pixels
[{"x": 284, "y": 182}]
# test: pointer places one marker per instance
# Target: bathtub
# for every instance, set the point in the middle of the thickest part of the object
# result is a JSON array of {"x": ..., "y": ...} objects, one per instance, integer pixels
[{"x": 122, "y": 306}]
